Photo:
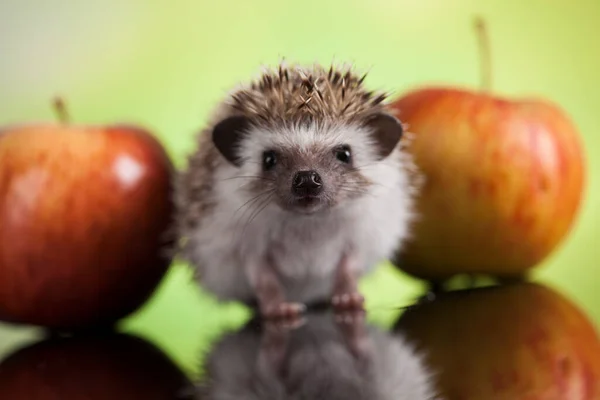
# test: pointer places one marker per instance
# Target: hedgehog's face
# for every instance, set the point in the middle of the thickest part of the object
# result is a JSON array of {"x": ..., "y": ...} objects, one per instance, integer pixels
[
  {"x": 309, "y": 178},
  {"x": 307, "y": 168}
]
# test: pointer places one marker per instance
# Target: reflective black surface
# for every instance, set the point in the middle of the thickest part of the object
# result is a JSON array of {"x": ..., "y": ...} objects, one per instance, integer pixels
[{"x": 517, "y": 341}]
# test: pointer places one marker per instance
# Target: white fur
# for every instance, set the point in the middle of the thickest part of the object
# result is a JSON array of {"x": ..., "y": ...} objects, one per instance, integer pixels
[
  {"x": 227, "y": 250},
  {"x": 318, "y": 365}
]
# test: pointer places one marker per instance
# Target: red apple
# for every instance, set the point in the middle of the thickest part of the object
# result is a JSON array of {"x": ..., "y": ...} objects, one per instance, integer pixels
[
  {"x": 521, "y": 341},
  {"x": 503, "y": 181},
  {"x": 84, "y": 212},
  {"x": 113, "y": 366}
]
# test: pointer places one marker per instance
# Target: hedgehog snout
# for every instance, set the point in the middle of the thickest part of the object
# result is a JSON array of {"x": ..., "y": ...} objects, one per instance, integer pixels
[{"x": 307, "y": 183}]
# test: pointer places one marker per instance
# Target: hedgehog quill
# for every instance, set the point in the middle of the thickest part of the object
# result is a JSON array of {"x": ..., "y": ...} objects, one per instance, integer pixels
[{"x": 299, "y": 186}]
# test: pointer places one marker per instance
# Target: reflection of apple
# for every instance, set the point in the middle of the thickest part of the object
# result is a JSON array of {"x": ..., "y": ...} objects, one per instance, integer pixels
[
  {"x": 504, "y": 179},
  {"x": 520, "y": 341},
  {"x": 84, "y": 212},
  {"x": 112, "y": 366}
]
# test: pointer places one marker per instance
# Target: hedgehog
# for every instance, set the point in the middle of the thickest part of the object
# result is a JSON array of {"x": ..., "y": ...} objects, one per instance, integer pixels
[{"x": 299, "y": 185}]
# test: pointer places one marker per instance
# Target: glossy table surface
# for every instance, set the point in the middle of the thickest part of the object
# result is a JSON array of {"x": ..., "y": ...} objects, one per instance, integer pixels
[{"x": 491, "y": 338}]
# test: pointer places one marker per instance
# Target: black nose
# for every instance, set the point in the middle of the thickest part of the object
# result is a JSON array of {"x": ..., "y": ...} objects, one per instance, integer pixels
[{"x": 307, "y": 183}]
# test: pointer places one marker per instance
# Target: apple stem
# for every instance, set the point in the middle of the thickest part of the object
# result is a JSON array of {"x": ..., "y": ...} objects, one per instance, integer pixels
[
  {"x": 484, "y": 54},
  {"x": 60, "y": 109}
]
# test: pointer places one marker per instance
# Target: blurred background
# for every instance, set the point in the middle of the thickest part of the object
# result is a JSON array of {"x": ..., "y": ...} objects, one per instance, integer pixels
[{"x": 164, "y": 64}]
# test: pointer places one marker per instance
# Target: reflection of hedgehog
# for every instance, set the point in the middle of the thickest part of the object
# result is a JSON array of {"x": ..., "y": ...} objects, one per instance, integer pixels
[
  {"x": 298, "y": 187},
  {"x": 315, "y": 361}
]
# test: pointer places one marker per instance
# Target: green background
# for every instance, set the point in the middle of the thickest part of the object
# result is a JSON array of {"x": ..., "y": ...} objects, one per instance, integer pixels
[{"x": 163, "y": 64}]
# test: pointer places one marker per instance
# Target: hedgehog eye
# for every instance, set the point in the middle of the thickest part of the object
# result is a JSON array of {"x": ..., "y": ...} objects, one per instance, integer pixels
[
  {"x": 269, "y": 159},
  {"x": 343, "y": 154}
]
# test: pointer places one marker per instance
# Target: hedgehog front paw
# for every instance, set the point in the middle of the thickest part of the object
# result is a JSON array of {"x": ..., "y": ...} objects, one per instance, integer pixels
[
  {"x": 348, "y": 301},
  {"x": 282, "y": 310},
  {"x": 346, "y": 296}
]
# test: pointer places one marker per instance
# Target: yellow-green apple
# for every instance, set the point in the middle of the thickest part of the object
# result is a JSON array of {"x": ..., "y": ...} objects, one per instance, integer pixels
[
  {"x": 84, "y": 216},
  {"x": 106, "y": 366},
  {"x": 504, "y": 179},
  {"x": 518, "y": 341}
]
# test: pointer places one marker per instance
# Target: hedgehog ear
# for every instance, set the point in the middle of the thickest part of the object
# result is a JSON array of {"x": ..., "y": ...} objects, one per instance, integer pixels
[
  {"x": 226, "y": 136},
  {"x": 386, "y": 131}
]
